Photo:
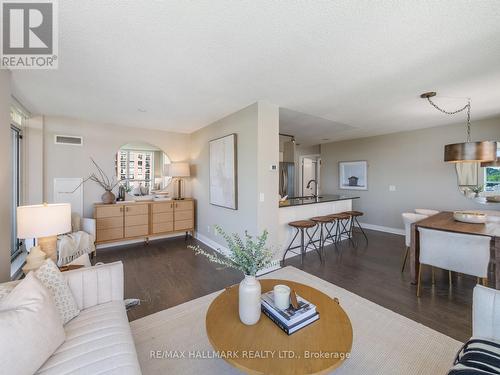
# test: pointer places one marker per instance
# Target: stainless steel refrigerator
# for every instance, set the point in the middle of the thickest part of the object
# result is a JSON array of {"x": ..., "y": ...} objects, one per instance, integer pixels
[{"x": 287, "y": 179}]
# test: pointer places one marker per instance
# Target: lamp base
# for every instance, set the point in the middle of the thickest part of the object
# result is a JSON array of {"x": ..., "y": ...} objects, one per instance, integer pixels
[{"x": 49, "y": 246}]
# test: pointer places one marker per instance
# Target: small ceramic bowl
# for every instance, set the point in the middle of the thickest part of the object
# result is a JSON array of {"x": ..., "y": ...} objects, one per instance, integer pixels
[{"x": 472, "y": 217}]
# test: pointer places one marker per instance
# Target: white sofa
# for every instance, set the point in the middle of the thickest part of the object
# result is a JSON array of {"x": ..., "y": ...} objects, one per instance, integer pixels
[{"x": 98, "y": 340}]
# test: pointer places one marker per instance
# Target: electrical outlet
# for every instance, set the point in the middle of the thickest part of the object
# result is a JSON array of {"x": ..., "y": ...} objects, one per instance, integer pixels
[
  {"x": 208, "y": 229},
  {"x": 392, "y": 187},
  {"x": 261, "y": 197}
]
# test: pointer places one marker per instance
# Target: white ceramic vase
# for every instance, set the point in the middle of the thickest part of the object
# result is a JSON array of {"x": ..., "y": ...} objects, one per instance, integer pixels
[{"x": 249, "y": 300}]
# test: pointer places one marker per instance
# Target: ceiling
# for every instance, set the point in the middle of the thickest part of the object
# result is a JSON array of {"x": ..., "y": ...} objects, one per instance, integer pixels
[{"x": 180, "y": 65}]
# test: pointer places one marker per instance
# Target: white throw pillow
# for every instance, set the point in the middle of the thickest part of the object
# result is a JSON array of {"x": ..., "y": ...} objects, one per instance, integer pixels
[
  {"x": 30, "y": 326},
  {"x": 75, "y": 222},
  {"x": 53, "y": 280}
]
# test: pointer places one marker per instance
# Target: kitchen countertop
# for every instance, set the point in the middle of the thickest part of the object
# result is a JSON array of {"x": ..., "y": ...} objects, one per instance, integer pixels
[{"x": 300, "y": 201}]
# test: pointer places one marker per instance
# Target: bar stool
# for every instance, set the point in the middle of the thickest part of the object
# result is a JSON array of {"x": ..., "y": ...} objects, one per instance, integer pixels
[
  {"x": 322, "y": 222},
  {"x": 301, "y": 226},
  {"x": 343, "y": 226},
  {"x": 354, "y": 219}
]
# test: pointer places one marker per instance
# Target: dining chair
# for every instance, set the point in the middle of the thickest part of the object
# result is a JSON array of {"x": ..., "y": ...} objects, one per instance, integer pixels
[
  {"x": 409, "y": 218},
  {"x": 464, "y": 253},
  {"x": 426, "y": 211}
]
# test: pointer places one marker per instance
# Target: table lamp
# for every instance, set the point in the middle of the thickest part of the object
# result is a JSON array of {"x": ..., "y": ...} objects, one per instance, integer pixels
[
  {"x": 44, "y": 222},
  {"x": 179, "y": 170}
]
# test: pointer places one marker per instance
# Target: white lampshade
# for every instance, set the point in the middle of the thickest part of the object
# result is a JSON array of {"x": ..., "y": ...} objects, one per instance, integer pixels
[
  {"x": 180, "y": 169},
  {"x": 43, "y": 220}
]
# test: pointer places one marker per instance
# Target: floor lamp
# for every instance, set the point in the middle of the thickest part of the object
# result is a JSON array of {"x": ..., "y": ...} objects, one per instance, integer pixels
[{"x": 44, "y": 222}]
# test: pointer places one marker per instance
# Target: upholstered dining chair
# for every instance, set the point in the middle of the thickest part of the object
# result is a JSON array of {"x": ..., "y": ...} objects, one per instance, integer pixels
[
  {"x": 409, "y": 218},
  {"x": 464, "y": 253},
  {"x": 426, "y": 211}
]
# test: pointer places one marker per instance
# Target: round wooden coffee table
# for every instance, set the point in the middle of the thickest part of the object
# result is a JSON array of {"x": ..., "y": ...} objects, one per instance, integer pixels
[{"x": 265, "y": 349}]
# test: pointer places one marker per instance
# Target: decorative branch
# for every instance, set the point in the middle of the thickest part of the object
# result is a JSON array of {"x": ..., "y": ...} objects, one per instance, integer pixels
[{"x": 102, "y": 179}]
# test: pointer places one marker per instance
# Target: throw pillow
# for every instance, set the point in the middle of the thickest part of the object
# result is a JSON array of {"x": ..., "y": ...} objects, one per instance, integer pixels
[
  {"x": 31, "y": 328},
  {"x": 477, "y": 356},
  {"x": 50, "y": 276}
]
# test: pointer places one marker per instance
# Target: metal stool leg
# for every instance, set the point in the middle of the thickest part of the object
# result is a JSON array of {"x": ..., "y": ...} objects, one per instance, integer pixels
[
  {"x": 289, "y": 246},
  {"x": 311, "y": 241},
  {"x": 362, "y": 231},
  {"x": 302, "y": 249}
]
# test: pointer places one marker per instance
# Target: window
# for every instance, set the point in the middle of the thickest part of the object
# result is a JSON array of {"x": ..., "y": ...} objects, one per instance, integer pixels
[
  {"x": 492, "y": 179},
  {"x": 16, "y": 141},
  {"x": 135, "y": 168}
]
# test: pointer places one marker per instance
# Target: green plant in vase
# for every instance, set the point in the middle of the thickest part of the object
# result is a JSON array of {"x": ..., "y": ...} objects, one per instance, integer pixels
[{"x": 249, "y": 255}]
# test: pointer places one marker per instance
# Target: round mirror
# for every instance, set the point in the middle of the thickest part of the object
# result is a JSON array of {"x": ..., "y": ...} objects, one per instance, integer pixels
[
  {"x": 141, "y": 170},
  {"x": 480, "y": 181}
]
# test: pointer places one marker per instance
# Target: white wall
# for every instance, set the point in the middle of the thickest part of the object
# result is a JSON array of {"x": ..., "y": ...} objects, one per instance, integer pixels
[
  {"x": 244, "y": 124},
  {"x": 257, "y": 128},
  {"x": 5, "y": 175},
  {"x": 413, "y": 162},
  {"x": 101, "y": 142},
  {"x": 268, "y": 181}
]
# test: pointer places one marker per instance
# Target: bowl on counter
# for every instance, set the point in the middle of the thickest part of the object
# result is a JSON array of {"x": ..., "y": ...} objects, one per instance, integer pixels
[{"x": 472, "y": 217}]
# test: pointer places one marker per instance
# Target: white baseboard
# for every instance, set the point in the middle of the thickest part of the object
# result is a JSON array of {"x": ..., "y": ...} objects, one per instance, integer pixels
[
  {"x": 225, "y": 251},
  {"x": 381, "y": 228}
]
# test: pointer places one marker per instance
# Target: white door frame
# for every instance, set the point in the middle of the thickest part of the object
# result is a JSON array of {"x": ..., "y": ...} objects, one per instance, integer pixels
[{"x": 318, "y": 169}]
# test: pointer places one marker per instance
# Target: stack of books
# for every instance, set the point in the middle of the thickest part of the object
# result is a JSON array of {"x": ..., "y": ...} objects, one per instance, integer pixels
[{"x": 289, "y": 320}]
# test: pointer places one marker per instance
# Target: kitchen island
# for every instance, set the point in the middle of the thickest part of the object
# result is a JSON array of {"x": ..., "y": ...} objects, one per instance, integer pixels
[{"x": 304, "y": 208}]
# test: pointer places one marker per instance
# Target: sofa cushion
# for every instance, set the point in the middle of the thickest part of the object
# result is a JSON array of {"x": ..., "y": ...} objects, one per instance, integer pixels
[
  {"x": 98, "y": 341},
  {"x": 477, "y": 356},
  {"x": 30, "y": 326},
  {"x": 53, "y": 280}
]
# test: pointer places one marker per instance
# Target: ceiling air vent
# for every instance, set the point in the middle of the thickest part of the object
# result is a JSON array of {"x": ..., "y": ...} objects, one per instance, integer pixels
[{"x": 68, "y": 140}]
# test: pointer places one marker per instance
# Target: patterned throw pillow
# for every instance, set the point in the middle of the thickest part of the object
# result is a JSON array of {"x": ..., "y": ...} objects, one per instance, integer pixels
[{"x": 50, "y": 276}]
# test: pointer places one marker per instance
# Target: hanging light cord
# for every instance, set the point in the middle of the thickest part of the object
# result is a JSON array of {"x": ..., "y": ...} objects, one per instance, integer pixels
[{"x": 465, "y": 107}]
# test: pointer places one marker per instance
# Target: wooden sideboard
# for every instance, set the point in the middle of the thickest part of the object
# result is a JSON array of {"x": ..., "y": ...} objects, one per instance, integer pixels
[{"x": 132, "y": 220}]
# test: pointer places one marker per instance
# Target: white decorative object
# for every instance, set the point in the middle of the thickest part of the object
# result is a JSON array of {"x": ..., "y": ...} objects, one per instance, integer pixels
[
  {"x": 471, "y": 217},
  {"x": 353, "y": 175},
  {"x": 69, "y": 190},
  {"x": 249, "y": 300},
  {"x": 223, "y": 186},
  {"x": 34, "y": 259},
  {"x": 31, "y": 327},
  {"x": 281, "y": 296},
  {"x": 50, "y": 276}
]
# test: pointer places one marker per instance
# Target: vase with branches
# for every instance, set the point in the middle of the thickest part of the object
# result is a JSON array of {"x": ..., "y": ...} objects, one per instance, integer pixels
[
  {"x": 249, "y": 255},
  {"x": 101, "y": 178}
]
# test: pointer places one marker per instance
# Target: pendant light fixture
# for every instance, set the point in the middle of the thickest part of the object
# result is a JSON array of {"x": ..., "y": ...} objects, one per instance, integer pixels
[{"x": 468, "y": 151}]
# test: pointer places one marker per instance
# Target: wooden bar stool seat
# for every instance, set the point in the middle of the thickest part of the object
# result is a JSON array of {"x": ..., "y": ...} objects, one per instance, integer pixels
[
  {"x": 302, "y": 226},
  {"x": 354, "y": 213}
]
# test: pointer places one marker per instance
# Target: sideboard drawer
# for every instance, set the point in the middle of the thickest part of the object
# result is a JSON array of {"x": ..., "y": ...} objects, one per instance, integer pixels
[
  {"x": 136, "y": 220},
  {"x": 163, "y": 227},
  {"x": 137, "y": 209},
  {"x": 183, "y": 224},
  {"x": 163, "y": 207},
  {"x": 109, "y": 234},
  {"x": 163, "y": 217},
  {"x": 136, "y": 231},
  {"x": 183, "y": 215},
  {"x": 109, "y": 222},
  {"x": 184, "y": 205},
  {"x": 108, "y": 211}
]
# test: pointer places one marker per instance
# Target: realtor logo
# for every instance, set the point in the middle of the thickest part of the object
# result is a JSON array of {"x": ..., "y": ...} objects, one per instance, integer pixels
[{"x": 29, "y": 34}]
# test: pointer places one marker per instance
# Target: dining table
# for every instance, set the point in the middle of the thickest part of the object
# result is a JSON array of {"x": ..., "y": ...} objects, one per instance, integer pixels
[{"x": 445, "y": 221}]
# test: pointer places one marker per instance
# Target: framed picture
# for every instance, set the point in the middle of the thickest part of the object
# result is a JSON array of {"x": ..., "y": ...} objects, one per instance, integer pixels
[
  {"x": 223, "y": 172},
  {"x": 353, "y": 175}
]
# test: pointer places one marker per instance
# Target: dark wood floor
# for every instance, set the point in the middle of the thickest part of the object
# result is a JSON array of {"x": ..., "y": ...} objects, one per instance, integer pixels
[{"x": 165, "y": 273}]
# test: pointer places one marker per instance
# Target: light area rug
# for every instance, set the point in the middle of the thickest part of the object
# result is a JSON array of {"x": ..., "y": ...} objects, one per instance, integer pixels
[{"x": 384, "y": 342}]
